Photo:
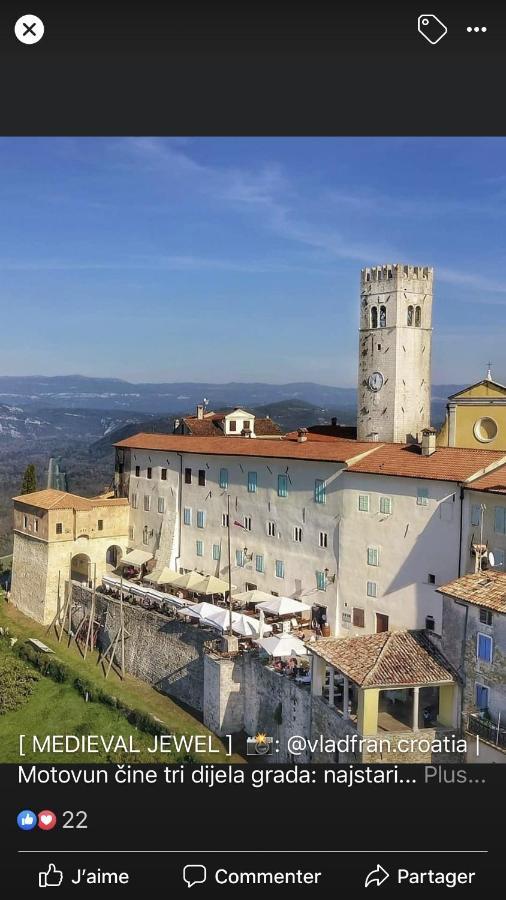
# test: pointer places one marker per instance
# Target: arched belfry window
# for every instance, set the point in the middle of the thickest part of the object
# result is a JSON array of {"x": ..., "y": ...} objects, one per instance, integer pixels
[
  {"x": 383, "y": 316},
  {"x": 418, "y": 316},
  {"x": 374, "y": 317},
  {"x": 410, "y": 315}
]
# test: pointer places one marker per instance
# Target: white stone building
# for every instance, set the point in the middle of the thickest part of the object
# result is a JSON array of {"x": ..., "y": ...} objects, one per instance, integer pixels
[{"x": 366, "y": 531}]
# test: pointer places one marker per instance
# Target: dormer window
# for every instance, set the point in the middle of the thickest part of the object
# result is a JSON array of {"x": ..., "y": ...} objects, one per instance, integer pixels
[
  {"x": 246, "y": 424},
  {"x": 232, "y": 425}
]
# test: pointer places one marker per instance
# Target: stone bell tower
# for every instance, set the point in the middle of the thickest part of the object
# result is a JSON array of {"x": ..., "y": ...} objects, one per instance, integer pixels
[{"x": 395, "y": 338}]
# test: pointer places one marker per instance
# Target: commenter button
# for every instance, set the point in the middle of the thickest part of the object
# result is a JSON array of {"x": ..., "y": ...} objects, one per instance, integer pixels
[{"x": 225, "y": 876}]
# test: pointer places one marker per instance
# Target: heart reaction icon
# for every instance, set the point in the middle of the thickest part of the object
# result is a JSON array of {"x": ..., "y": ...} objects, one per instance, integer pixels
[{"x": 47, "y": 820}]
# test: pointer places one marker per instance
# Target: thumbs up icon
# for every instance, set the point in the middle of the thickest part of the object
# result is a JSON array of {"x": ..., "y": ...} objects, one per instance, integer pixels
[{"x": 52, "y": 878}]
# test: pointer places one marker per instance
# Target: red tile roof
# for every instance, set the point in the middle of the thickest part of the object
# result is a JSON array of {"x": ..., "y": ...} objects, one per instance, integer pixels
[
  {"x": 446, "y": 464},
  {"x": 495, "y": 482},
  {"x": 53, "y": 499},
  {"x": 209, "y": 426},
  {"x": 387, "y": 659},
  {"x": 480, "y": 588},
  {"x": 326, "y": 451}
]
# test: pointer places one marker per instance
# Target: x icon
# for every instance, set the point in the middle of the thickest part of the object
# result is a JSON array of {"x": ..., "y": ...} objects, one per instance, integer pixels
[{"x": 29, "y": 29}]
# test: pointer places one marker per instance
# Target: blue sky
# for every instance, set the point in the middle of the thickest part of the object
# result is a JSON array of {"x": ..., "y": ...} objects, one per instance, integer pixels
[{"x": 222, "y": 259}]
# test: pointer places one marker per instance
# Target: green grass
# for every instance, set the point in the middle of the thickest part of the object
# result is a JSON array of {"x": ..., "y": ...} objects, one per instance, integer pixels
[{"x": 49, "y": 711}]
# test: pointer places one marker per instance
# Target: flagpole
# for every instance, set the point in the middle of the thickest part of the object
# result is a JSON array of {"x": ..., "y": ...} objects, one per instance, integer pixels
[{"x": 229, "y": 569}]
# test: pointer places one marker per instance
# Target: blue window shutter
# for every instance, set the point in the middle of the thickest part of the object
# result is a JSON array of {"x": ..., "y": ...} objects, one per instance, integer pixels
[
  {"x": 282, "y": 485},
  {"x": 224, "y": 479},
  {"x": 252, "y": 482},
  {"x": 484, "y": 647}
]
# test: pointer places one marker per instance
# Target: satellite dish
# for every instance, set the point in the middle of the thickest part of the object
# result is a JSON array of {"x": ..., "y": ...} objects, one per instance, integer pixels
[{"x": 491, "y": 559}]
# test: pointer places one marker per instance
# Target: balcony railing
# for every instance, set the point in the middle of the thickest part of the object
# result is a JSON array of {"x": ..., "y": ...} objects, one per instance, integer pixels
[{"x": 487, "y": 730}]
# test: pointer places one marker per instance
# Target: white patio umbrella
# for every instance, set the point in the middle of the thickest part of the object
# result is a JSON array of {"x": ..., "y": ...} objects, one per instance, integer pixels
[
  {"x": 255, "y": 596},
  {"x": 221, "y": 618},
  {"x": 247, "y": 626},
  {"x": 210, "y": 584},
  {"x": 200, "y": 610},
  {"x": 282, "y": 645},
  {"x": 283, "y": 606}
]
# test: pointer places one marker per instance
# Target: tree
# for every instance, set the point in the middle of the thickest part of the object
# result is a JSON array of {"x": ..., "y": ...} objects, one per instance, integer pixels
[{"x": 29, "y": 480}]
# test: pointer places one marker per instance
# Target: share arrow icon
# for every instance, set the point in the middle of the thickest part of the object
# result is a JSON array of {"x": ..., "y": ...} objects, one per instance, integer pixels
[{"x": 377, "y": 876}]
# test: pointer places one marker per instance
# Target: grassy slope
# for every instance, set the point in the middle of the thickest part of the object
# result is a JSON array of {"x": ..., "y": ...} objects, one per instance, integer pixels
[{"x": 132, "y": 691}]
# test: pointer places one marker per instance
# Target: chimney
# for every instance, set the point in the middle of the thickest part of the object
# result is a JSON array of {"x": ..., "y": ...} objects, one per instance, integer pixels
[
  {"x": 301, "y": 435},
  {"x": 428, "y": 441},
  {"x": 333, "y": 421},
  {"x": 200, "y": 411}
]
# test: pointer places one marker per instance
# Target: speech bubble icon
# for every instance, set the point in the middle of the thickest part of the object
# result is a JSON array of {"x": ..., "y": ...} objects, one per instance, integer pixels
[{"x": 193, "y": 875}]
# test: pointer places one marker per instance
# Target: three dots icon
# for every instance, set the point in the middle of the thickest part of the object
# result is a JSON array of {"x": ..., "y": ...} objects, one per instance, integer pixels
[{"x": 476, "y": 28}]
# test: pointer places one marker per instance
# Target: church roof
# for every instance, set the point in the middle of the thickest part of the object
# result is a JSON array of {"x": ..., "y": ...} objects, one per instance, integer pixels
[{"x": 485, "y": 382}]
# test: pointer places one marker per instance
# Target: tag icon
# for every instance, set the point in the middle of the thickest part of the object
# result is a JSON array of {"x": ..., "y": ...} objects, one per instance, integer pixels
[{"x": 431, "y": 28}]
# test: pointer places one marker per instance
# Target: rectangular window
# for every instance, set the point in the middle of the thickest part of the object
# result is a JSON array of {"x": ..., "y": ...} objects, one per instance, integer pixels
[
  {"x": 25, "y": 521},
  {"x": 36, "y": 525},
  {"x": 358, "y": 617},
  {"x": 282, "y": 485},
  {"x": 137, "y": 471},
  {"x": 431, "y": 578},
  {"x": 246, "y": 424},
  {"x": 271, "y": 529},
  {"x": 239, "y": 557},
  {"x": 321, "y": 581},
  {"x": 187, "y": 515},
  {"x": 247, "y": 523},
  {"x": 216, "y": 551},
  {"x": 224, "y": 479},
  {"x": 385, "y": 506},
  {"x": 500, "y": 520},
  {"x": 475, "y": 514},
  {"x": 280, "y": 568},
  {"x": 100, "y": 525},
  {"x": 201, "y": 518},
  {"x": 149, "y": 472},
  {"x": 187, "y": 476},
  {"x": 485, "y": 616},
  {"x": 381, "y": 623},
  {"x": 422, "y": 496},
  {"x": 297, "y": 533},
  {"x": 147, "y": 502},
  {"x": 200, "y": 548},
  {"x": 320, "y": 493},
  {"x": 59, "y": 528},
  {"x": 135, "y": 501},
  {"x": 484, "y": 647},
  {"x": 232, "y": 425},
  {"x": 259, "y": 563},
  {"x": 145, "y": 537},
  {"x": 363, "y": 502},
  {"x": 481, "y": 696},
  {"x": 202, "y": 477},
  {"x": 161, "y": 504},
  {"x": 252, "y": 482},
  {"x": 324, "y": 540},
  {"x": 372, "y": 589},
  {"x": 372, "y": 556},
  {"x": 224, "y": 520},
  {"x": 163, "y": 474},
  {"x": 130, "y": 532}
]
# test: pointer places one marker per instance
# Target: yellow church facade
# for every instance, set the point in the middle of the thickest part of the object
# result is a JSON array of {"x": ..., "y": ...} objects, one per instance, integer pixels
[{"x": 476, "y": 417}]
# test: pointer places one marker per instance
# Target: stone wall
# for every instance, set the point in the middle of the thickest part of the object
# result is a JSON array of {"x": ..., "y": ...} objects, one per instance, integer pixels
[{"x": 167, "y": 653}]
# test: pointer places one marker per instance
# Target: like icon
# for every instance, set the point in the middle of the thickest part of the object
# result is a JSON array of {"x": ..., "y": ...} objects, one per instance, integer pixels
[
  {"x": 26, "y": 820},
  {"x": 47, "y": 820}
]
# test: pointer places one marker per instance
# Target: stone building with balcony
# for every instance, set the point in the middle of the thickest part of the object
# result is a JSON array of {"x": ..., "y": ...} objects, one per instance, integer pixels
[{"x": 474, "y": 640}]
